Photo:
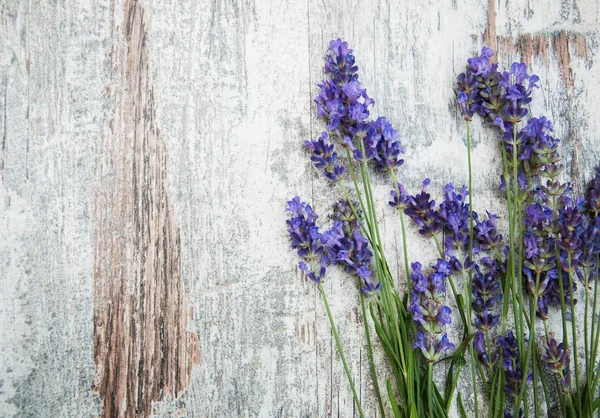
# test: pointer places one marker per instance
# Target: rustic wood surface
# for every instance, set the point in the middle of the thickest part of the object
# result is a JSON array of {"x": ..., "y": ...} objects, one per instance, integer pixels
[{"x": 148, "y": 149}]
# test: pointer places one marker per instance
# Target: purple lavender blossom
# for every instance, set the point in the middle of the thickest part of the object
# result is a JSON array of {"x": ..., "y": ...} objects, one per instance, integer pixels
[
  {"x": 323, "y": 156},
  {"x": 383, "y": 146},
  {"x": 486, "y": 292},
  {"x": 516, "y": 93},
  {"x": 498, "y": 97},
  {"x": 486, "y": 233},
  {"x": 592, "y": 195},
  {"x": 311, "y": 274},
  {"x": 482, "y": 353},
  {"x": 557, "y": 361},
  {"x": 512, "y": 366},
  {"x": 340, "y": 65},
  {"x": 421, "y": 209},
  {"x": 342, "y": 101},
  {"x": 345, "y": 245},
  {"x": 539, "y": 152},
  {"x": 481, "y": 65},
  {"x": 432, "y": 347},
  {"x": 343, "y": 212},
  {"x": 428, "y": 309},
  {"x": 305, "y": 238},
  {"x": 400, "y": 202},
  {"x": 540, "y": 276},
  {"x": 571, "y": 224},
  {"x": 454, "y": 215},
  {"x": 344, "y": 104},
  {"x": 590, "y": 235},
  {"x": 470, "y": 83}
]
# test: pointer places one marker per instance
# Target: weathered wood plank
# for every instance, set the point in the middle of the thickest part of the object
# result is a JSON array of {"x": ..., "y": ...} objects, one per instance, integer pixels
[
  {"x": 198, "y": 112},
  {"x": 142, "y": 347}
]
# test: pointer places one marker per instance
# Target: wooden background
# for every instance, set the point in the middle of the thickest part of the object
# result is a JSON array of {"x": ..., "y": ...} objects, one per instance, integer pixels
[{"x": 147, "y": 152}]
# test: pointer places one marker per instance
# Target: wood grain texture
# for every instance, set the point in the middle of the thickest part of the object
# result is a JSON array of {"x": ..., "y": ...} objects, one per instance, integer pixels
[
  {"x": 142, "y": 347},
  {"x": 148, "y": 149}
]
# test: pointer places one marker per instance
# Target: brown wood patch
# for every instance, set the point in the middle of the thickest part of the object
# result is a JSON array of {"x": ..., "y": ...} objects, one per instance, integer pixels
[
  {"x": 563, "y": 44},
  {"x": 142, "y": 348}
]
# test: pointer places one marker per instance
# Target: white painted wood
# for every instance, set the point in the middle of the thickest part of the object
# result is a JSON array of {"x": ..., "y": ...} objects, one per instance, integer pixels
[{"x": 234, "y": 84}]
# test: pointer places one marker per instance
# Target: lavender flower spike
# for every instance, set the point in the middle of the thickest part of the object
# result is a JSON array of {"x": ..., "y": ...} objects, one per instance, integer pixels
[
  {"x": 346, "y": 246},
  {"x": 323, "y": 156},
  {"x": 557, "y": 361},
  {"x": 512, "y": 366},
  {"x": 428, "y": 309},
  {"x": 305, "y": 238}
]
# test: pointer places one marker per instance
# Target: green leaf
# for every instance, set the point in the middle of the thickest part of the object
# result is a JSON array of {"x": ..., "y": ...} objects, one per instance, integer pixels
[
  {"x": 393, "y": 401},
  {"x": 440, "y": 404},
  {"x": 461, "y": 310},
  {"x": 384, "y": 339},
  {"x": 459, "y": 358},
  {"x": 461, "y": 407}
]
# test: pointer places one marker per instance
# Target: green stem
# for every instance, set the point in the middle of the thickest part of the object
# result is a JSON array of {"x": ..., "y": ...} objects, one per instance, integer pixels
[
  {"x": 516, "y": 221},
  {"x": 511, "y": 259},
  {"x": 470, "y": 190},
  {"x": 540, "y": 367},
  {"x": 371, "y": 358},
  {"x": 438, "y": 246},
  {"x": 387, "y": 289},
  {"x": 430, "y": 389},
  {"x": 561, "y": 396},
  {"x": 474, "y": 378},
  {"x": 339, "y": 347},
  {"x": 378, "y": 253},
  {"x": 595, "y": 329},
  {"x": 354, "y": 211},
  {"x": 588, "y": 371},
  {"x": 573, "y": 323},
  {"x": 467, "y": 290},
  {"x": 532, "y": 304},
  {"x": 404, "y": 246},
  {"x": 561, "y": 290}
]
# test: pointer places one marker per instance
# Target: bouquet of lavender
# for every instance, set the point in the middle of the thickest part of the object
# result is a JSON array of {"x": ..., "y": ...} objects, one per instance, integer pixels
[{"x": 502, "y": 288}]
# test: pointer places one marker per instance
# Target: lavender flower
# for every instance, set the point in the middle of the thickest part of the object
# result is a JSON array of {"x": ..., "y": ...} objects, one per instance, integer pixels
[
  {"x": 592, "y": 195},
  {"x": 539, "y": 153},
  {"x": 340, "y": 65},
  {"x": 422, "y": 211},
  {"x": 539, "y": 266},
  {"x": 428, "y": 309},
  {"x": 383, "y": 146},
  {"x": 486, "y": 234},
  {"x": 571, "y": 224},
  {"x": 431, "y": 347},
  {"x": 557, "y": 361},
  {"x": 345, "y": 245},
  {"x": 482, "y": 353},
  {"x": 323, "y": 156},
  {"x": 305, "y": 238},
  {"x": 486, "y": 292},
  {"x": 342, "y": 101},
  {"x": 342, "y": 211},
  {"x": 401, "y": 201},
  {"x": 539, "y": 220},
  {"x": 512, "y": 366},
  {"x": 499, "y": 97},
  {"x": 470, "y": 83},
  {"x": 454, "y": 213},
  {"x": 516, "y": 94},
  {"x": 344, "y": 104}
]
